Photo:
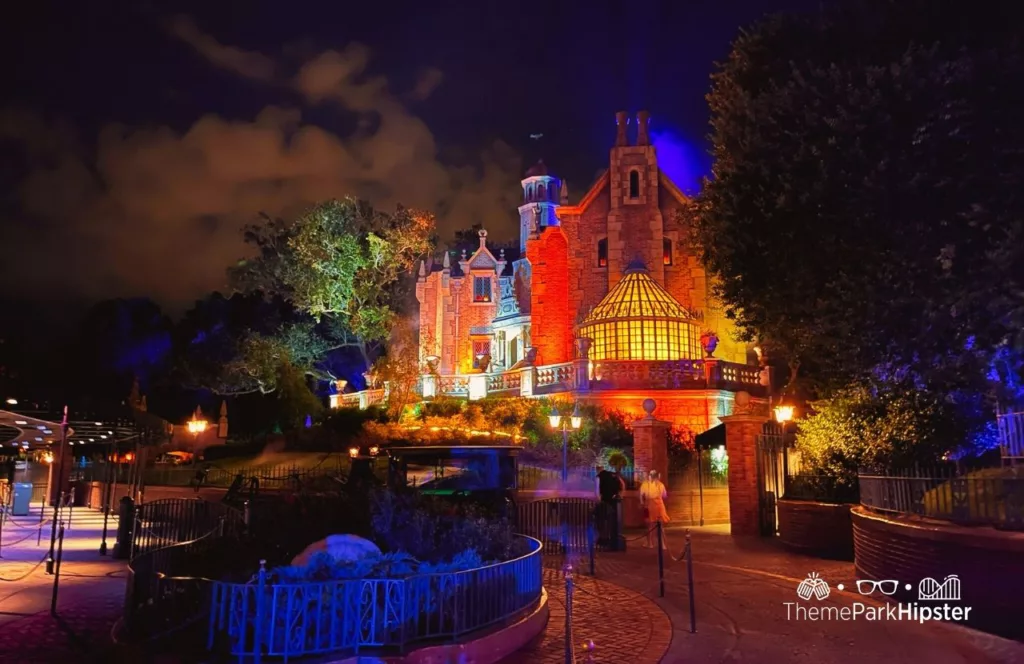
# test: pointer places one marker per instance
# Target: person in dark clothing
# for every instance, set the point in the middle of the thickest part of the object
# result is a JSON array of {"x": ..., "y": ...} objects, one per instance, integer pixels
[{"x": 609, "y": 487}]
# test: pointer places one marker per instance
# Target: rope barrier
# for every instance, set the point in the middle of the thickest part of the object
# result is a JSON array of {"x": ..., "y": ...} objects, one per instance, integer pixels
[
  {"x": 26, "y": 574},
  {"x": 29, "y": 536}
]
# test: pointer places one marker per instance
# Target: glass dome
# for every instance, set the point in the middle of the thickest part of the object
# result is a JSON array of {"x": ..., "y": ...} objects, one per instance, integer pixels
[{"x": 639, "y": 320}]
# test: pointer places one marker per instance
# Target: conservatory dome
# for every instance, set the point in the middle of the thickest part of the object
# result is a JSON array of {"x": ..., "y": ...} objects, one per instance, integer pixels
[{"x": 639, "y": 320}]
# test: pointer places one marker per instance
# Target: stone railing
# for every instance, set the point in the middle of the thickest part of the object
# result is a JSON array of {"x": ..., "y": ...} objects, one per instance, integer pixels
[
  {"x": 573, "y": 376},
  {"x": 659, "y": 375},
  {"x": 555, "y": 378},
  {"x": 507, "y": 381}
]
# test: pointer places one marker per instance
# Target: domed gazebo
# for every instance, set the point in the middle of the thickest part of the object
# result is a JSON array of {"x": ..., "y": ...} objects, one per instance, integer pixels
[{"x": 639, "y": 320}]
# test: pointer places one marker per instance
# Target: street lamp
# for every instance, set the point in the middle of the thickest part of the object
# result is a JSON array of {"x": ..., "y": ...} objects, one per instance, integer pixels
[
  {"x": 574, "y": 421},
  {"x": 12, "y": 402},
  {"x": 195, "y": 427}
]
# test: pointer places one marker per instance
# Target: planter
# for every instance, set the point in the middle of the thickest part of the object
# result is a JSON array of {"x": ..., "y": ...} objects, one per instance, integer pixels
[{"x": 816, "y": 529}]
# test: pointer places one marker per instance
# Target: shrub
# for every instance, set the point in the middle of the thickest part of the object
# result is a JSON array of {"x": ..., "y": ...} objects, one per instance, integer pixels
[{"x": 885, "y": 426}]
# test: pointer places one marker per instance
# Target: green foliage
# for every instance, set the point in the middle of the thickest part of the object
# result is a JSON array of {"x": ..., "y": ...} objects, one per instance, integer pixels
[
  {"x": 294, "y": 396},
  {"x": 864, "y": 205},
  {"x": 882, "y": 426},
  {"x": 342, "y": 259},
  {"x": 399, "y": 367}
]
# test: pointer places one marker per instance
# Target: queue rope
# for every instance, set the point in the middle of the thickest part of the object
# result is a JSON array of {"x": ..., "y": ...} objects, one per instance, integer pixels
[{"x": 28, "y": 573}]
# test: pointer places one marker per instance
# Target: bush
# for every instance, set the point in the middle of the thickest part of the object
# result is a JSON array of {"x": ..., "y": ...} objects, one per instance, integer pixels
[{"x": 883, "y": 426}]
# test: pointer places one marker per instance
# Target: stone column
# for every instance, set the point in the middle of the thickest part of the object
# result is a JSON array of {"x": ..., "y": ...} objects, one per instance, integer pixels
[
  {"x": 528, "y": 373},
  {"x": 741, "y": 432},
  {"x": 650, "y": 443},
  {"x": 581, "y": 364}
]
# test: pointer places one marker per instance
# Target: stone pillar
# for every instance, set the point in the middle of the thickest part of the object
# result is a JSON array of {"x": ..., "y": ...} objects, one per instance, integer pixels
[
  {"x": 528, "y": 374},
  {"x": 477, "y": 386},
  {"x": 650, "y": 443},
  {"x": 581, "y": 364},
  {"x": 741, "y": 432},
  {"x": 428, "y": 385}
]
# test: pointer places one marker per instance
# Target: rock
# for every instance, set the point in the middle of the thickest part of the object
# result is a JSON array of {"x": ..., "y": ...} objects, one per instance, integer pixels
[{"x": 343, "y": 548}]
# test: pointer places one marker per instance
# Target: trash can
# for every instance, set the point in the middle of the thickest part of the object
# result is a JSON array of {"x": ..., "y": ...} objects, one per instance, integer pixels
[{"x": 22, "y": 498}]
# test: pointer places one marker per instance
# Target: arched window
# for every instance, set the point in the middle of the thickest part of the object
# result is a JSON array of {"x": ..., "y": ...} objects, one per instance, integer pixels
[
  {"x": 602, "y": 253},
  {"x": 634, "y": 184},
  {"x": 666, "y": 251}
]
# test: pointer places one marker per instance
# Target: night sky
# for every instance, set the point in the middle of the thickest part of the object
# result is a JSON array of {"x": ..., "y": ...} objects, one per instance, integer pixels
[{"x": 137, "y": 140}]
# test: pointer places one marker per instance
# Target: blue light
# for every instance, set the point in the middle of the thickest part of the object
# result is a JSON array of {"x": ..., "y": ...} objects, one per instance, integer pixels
[{"x": 683, "y": 161}]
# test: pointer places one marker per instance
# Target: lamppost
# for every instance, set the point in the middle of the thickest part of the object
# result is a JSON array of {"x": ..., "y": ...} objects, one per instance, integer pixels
[
  {"x": 574, "y": 421},
  {"x": 196, "y": 426},
  {"x": 783, "y": 414}
]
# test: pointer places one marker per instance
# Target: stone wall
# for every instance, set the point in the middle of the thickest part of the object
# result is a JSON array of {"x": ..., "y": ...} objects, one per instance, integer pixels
[
  {"x": 987, "y": 562},
  {"x": 741, "y": 433},
  {"x": 696, "y": 410},
  {"x": 817, "y": 529}
]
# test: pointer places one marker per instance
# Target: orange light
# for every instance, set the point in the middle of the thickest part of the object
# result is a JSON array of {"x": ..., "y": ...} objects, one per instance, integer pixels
[
  {"x": 196, "y": 427},
  {"x": 129, "y": 457}
]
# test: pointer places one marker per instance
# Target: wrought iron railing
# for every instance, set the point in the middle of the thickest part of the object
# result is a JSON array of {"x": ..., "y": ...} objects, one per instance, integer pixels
[
  {"x": 178, "y": 545},
  {"x": 1011, "y": 435},
  {"x": 992, "y": 496},
  {"x": 264, "y": 618}
]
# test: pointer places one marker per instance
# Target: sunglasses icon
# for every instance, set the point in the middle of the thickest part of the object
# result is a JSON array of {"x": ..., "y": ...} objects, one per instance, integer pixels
[{"x": 887, "y": 587}]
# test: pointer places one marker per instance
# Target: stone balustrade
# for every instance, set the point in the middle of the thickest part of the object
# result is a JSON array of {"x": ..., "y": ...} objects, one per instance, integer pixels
[{"x": 580, "y": 376}]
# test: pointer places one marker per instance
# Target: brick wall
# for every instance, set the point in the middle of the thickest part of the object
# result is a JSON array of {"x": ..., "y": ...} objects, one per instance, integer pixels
[
  {"x": 696, "y": 410},
  {"x": 817, "y": 529},
  {"x": 551, "y": 327},
  {"x": 987, "y": 562}
]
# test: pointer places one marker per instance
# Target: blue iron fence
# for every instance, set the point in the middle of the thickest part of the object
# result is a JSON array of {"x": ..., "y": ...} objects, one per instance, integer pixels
[
  {"x": 262, "y": 618},
  {"x": 991, "y": 496}
]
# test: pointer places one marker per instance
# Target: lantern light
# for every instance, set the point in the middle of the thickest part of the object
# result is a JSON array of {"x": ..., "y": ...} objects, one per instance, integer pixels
[
  {"x": 353, "y": 452},
  {"x": 554, "y": 418},
  {"x": 576, "y": 419},
  {"x": 12, "y": 402},
  {"x": 783, "y": 414},
  {"x": 374, "y": 451}
]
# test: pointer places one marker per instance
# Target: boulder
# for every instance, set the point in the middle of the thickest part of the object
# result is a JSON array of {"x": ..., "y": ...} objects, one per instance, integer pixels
[{"x": 343, "y": 548}]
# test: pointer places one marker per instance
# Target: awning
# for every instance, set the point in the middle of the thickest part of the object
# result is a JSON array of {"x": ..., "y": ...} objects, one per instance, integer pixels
[{"x": 713, "y": 437}]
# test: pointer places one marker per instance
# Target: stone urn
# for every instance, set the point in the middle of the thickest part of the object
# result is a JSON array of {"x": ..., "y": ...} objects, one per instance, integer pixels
[
  {"x": 709, "y": 342},
  {"x": 432, "y": 362}
]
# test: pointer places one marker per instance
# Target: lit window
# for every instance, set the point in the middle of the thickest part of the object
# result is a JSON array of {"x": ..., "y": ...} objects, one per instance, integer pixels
[
  {"x": 634, "y": 184},
  {"x": 602, "y": 253},
  {"x": 666, "y": 251},
  {"x": 481, "y": 289},
  {"x": 481, "y": 349}
]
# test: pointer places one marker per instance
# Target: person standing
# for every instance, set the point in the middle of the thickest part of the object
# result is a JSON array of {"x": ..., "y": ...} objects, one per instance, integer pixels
[
  {"x": 652, "y": 499},
  {"x": 609, "y": 487}
]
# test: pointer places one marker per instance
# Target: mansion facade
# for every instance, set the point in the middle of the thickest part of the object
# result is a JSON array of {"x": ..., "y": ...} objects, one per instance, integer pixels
[{"x": 606, "y": 303}]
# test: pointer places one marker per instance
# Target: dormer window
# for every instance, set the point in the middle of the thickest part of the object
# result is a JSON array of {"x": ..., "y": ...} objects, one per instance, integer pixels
[
  {"x": 602, "y": 253},
  {"x": 666, "y": 251},
  {"x": 481, "y": 289},
  {"x": 634, "y": 184}
]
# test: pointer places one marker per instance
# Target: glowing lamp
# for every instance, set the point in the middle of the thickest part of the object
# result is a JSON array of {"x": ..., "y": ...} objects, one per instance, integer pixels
[
  {"x": 374, "y": 451},
  {"x": 353, "y": 452},
  {"x": 196, "y": 427},
  {"x": 783, "y": 414},
  {"x": 13, "y": 402},
  {"x": 48, "y": 457},
  {"x": 554, "y": 418},
  {"x": 129, "y": 457},
  {"x": 576, "y": 419}
]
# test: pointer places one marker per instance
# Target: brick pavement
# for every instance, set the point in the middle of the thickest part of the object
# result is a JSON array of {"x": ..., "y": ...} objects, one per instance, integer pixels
[{"x": 624, "y": 625}]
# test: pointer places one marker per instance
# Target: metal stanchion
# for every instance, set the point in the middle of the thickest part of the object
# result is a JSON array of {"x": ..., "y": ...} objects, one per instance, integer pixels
[
  {"x": 106, "y": 507},
  {"x": 42, "y": 514},
  {"x": 590, "y": 542},
  {"x": 56, "y": 575},
  {"x": 53, "y": 531},
  {"x": 661, "y": 563},
  {"x": 689, "y": 577},
  {"x": 570, "y": 653}
]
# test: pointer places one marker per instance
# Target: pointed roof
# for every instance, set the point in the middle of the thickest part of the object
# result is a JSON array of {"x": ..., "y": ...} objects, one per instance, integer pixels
[{"x": 638, "y": 296}]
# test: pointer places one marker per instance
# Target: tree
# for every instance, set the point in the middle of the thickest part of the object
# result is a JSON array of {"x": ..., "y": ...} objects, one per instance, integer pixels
[
  {"x": 399, "y": 367},
  {"x": 342, "y": 262},
  {"x": 865, "y": 207}
]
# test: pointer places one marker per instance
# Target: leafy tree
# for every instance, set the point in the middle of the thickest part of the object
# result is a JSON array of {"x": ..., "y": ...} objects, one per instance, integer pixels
[
  {"x": 865, "y": 203},
  {"x": 295, "y": 398},
  {"x": 399, "y": 367},
  {"x": 342, "y": 262}
]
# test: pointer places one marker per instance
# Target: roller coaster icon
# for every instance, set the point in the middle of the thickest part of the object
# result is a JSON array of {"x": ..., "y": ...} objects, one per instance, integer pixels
[{"x": 931, "y": 590}]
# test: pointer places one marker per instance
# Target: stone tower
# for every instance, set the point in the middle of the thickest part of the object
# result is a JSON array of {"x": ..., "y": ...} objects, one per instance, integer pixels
[{"x": 542, "y": 194}]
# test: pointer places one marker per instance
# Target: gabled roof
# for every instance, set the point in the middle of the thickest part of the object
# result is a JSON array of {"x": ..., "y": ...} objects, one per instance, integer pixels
[{"x": 604, "y": 180}]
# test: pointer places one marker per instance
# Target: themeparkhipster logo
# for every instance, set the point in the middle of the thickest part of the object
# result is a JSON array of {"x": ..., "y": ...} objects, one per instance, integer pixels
[{"x": 933, "y": 601}]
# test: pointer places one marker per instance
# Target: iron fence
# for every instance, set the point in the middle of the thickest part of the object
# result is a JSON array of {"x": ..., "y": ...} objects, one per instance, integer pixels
[
  {"x": 265, "y": 618},
  {"x": 177, "y": 546},
  {"x": 533, "y": 477},
  {"x": 992, "y": 496}
]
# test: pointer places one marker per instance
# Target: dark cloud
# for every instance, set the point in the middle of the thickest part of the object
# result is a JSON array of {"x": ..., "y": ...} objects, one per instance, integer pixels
[{"x": 153, "y": 211}]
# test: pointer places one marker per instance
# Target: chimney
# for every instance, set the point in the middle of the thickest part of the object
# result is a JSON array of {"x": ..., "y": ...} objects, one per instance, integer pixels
[
  {"x": 483, "y": 238},
  {"x": 621, "y": 120},
  {"x": 643, "y": 121}
]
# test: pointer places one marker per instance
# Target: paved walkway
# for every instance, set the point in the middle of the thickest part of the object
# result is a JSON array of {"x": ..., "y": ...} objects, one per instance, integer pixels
[
  {"x": 740, "y": 593},
  {"x": 89, "y": 599}
]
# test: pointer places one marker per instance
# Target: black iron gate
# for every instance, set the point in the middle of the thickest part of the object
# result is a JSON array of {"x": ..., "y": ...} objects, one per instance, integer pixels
[
  {"x": 771, "y": 475},
  {"x": 563, "y": 524}
]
